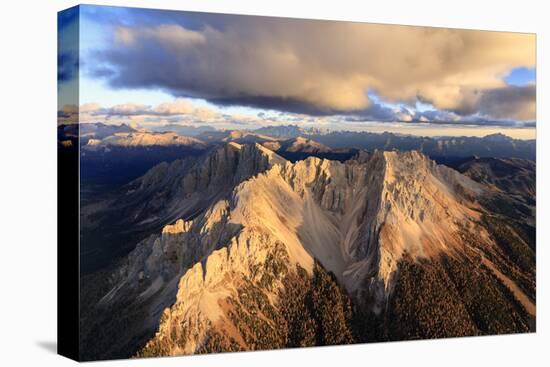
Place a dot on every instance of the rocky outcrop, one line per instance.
(179, 227)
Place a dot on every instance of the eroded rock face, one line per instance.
(357, 218)
(145, 281)
(181, 189)
(203, 291)
(360, 220)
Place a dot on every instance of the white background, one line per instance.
(28, 182)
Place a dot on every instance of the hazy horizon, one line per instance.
(394, 128)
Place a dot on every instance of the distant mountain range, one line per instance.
(279, 137)
(111, 155)
(495, 145)
(115, 154)
(143, 139)
(290, 131)
(183, 129)
(92, 130)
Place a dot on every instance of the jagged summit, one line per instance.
(183, 188)
(374, 211)
(219, 170)
(238, 222)
(357, 219)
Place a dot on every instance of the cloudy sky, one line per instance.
(152, 67)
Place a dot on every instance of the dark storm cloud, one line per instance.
(517, 102)
(382, 113)
(291, 105)
(377, 112)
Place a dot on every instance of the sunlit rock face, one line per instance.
(363, 220)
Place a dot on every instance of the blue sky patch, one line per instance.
(521, 76)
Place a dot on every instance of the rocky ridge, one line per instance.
(360, 220)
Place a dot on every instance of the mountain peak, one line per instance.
(301, 144)
(496, 137)
(358, 219)
(239, 221)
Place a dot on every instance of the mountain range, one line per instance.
(493, 146)
(116, 154)
(438, 148)
(240, 248)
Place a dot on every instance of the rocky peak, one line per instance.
(358, 219)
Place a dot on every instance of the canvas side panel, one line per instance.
(68, 183)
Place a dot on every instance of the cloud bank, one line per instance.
(186, 112)
(323, 67)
